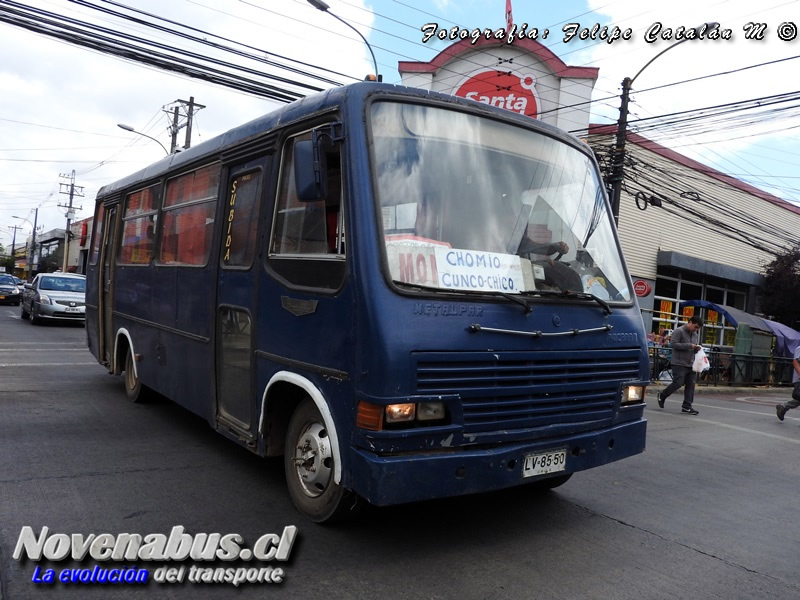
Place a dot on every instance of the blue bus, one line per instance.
(405, 294)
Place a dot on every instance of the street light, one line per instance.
(132, 130)
(320, 5)
(622, 125)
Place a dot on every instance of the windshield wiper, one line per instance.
(417, 286)
(574, 294)
(430, 288)
(517, 299)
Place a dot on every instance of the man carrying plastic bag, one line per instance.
(685, 344)
(700, 362)
(795, 401)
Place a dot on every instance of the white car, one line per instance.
(59, 296)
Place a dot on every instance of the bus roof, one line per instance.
(317, 103)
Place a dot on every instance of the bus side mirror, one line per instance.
(310, 170)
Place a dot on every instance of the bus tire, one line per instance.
(308, 463)
(134, 390)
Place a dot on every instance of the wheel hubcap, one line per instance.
(313, 460)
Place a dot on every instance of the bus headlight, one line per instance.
(430, 411)
(374, 416)
(633, 393)
(400, 413)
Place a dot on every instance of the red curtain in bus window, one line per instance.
(187, 230)
(193, 242)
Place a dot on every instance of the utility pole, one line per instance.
(14, 243)
(33, 245)
(174, 131)
(73, 191)
(182, 108)
(618, 163)
(191, 108)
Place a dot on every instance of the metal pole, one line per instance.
(189, 115)
(618, 167)
(619, 151)
(174, 128)
(65, 262)
(33, 244)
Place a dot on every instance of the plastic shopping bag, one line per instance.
(700, 362)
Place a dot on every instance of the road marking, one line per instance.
(41, 364)
(29, 350)
(727, 426)
(739, 410)
(40, 343)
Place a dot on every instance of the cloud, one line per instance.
(51, 86)
(695, 59)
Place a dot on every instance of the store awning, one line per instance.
(786, 339)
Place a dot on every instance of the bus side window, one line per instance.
(333, 206)
(311, 230)
(309, 227)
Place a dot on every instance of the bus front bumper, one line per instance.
(386, 480)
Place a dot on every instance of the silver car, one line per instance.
(55, 296)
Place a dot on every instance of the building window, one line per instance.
(667, 314)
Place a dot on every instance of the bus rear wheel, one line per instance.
(134, 389)
(309, 465)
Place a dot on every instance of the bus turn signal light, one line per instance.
(370, 416)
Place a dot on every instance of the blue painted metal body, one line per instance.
(507, 396)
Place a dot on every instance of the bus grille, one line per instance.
(516, 390)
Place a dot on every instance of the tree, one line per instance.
(778, 296)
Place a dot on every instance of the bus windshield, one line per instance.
(474, 204)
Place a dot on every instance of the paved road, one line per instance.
(708, 511)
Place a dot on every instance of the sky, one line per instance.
(60, 103)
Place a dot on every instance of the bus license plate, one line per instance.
(547, 462)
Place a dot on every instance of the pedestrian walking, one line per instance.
(685, 343)
(795, 400)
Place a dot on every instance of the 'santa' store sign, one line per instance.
(505, 89)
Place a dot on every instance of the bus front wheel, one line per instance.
(309, 465)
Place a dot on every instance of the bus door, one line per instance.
(236, 296)
(105, 291)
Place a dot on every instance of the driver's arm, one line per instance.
(528, 246)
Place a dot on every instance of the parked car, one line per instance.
(9, 291)
(55, 296)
